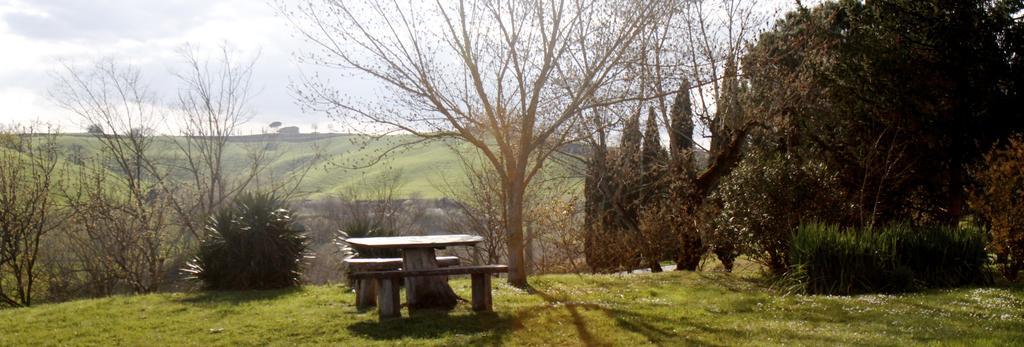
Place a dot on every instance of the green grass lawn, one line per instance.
(564, 310)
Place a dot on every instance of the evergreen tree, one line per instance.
(632, 141)
(681, 134)
(630, 171)
(626, 185)
(630, 174)
(729, 113)
(688, 244)
(598, 209)
(655, 233)
(654, 160)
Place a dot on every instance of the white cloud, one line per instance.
(40, 34)
(26, 106)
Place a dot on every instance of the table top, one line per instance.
(429, 241)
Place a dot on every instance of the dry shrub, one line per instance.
(999, 200)
(610, 249)
(556, 237)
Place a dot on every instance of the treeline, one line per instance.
(859, 115)
(130, 222)
(125, 218)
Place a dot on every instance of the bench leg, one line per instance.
(366, 293)
(481, 292)
(387, 298)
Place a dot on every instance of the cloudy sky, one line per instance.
(37, 35)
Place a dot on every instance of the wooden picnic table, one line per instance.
(418, 254)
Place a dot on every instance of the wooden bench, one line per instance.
(366, 289)
(387, 283)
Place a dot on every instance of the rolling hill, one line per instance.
(337, 162)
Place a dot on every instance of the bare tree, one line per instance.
(116, 99)
(121, 220)
(29, 178)
(715, 37)
(555, 237)
(551, 238)
(479, 207)
(509, 77)
(120, 242)
(213, 104)
(155, 198)
(372, 207)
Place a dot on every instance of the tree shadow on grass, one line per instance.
(218, 298)
(628, 320)
(485, 328)
(734, 283)
(643, 325)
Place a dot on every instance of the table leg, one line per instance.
(426, 292)
(389, 305)
(366, 293)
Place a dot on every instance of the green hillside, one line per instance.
(64, 172)
(338, 161)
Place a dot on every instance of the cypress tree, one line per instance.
(681, 133)
(689, 246)
(728, 114)
(653, 160)
(632, 139)
(630, 162)
(654, 232)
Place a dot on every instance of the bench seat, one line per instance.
(368, 264)
(366, 289)
(387, 283)
(447, 271)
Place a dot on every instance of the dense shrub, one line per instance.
(254, 244)
(895, 95)
(828, 260)
(765, 199)
(999, 199)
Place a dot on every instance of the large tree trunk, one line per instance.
(516, 255)
(430, 291)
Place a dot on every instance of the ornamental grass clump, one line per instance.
(938, 255)
(827, 259)
(253, 244)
